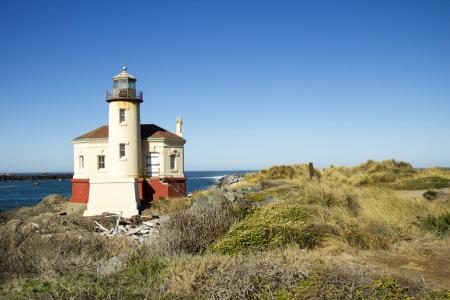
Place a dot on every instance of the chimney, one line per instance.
(179, 130)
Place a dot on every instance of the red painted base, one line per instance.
(149, 189)
(80, 190)
(154, 188)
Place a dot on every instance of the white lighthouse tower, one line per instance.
(124, 126)
(117, 192)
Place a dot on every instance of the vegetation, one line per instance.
(346, 234)
(272, 275)
(440, 224)
(390, 173)
(430, 195)
(268, 228)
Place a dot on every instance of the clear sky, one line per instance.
(258, 83)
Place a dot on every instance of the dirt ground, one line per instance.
(430, 259)
(445, 192)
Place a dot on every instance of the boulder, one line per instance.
(229, 179)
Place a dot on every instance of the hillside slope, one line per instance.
(276, 235)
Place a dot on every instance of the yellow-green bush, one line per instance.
(267, 228)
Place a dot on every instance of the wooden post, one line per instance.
(311, 170)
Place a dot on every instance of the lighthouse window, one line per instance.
(81, 162)
(123, 83)
(122, 115)
(173, 162)
(101, 161)
(122, 150)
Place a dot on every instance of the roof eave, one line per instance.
(84, 140)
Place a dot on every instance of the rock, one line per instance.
(34, 225)
(149, 223)
(146, 227)
(112, 265)
(133, 231)
(229, 179)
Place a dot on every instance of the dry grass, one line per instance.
(38, 241)
(391, 173)
(193, 230)
(314, 239)
(281, 173)
(330, 214)
(166, 206)
(287, 274)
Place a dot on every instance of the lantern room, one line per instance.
(124, 87)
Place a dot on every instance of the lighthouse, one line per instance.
(124, 126)
(118, 191)
(126, 164)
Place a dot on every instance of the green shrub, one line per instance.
(421, 183)
(270, 227)
(325, 284)
(440, 225)
(430, 195)
(137, 281)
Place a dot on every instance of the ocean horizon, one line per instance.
(15, 194)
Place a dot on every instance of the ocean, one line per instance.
(15, 194)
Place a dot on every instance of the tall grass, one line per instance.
(312, 213)
(287, 274)
(389, 173)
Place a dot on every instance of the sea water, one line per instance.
(15, 194)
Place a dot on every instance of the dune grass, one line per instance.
(390, 173)
(312, 214)
(286, 274)
(285, 248)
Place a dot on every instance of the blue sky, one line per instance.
(258, 83)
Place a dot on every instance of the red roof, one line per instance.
(147, 130)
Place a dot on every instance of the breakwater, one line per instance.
(32, 177)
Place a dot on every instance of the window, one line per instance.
(101, 161)
(81, 162)
(122, 150)
(121, 115)
(173, 162)
(123, 83)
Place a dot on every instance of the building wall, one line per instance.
(149, 189)
(127, 133)
(165, 147)
(80, 190)
(90, 151)
(172, 183)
